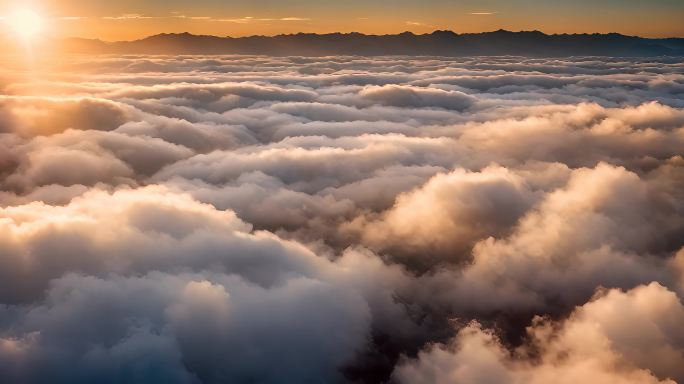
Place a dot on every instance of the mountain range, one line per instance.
(438, 43)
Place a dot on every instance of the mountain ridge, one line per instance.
(436, 43)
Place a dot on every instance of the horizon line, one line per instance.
(406, 32)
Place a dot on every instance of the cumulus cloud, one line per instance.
(28, 116)
(597, 344)
(206, 290)
(602, 229)
(468, 206)
(342, 219)
(406, 96)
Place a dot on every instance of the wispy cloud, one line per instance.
(419, 24)
(192, 17)
(175, 15)
(133, 16)
(249, 19)
(482, 13)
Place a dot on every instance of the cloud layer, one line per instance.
(255, 219)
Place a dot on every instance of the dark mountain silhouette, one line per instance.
(439, 43)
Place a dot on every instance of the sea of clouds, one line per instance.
(342, 219)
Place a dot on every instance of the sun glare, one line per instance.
(25, 23)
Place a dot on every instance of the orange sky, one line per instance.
(131, 19)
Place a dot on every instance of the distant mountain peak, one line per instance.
(437, 43)
(444, 33)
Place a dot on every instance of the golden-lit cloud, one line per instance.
(210, 218)
(249, 19)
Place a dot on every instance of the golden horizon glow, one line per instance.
(135, 19)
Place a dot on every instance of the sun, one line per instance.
(25, 23)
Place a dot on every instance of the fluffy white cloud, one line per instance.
(112, 276)
(260, 219)
(445, 217)
(403, 96)
(598, 343)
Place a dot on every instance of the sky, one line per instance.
(132, 19)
